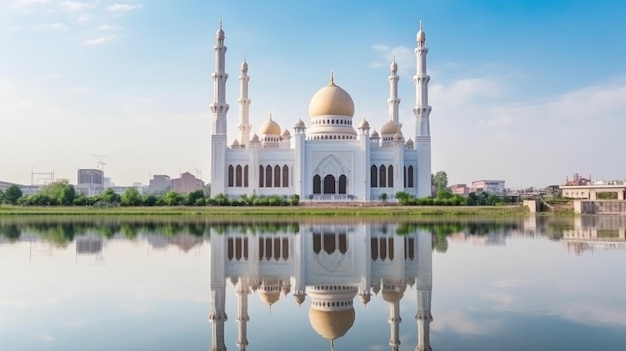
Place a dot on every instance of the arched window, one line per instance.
(383, 176)
(410, 177)
(390, 177)
(238, 176)
(277, 176)
(317, 184)
(268, 176)
(329, 184)
(404, 176)
(245, 176)
(231, 176)
(342, 184)
(374, 177)
(261, 176)
(285, 176)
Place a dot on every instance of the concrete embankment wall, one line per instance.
(600, 207)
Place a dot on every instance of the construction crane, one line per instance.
(100, 159)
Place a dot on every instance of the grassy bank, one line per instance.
(294, 212)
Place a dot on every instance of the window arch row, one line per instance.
(238, 176)
(381, 176)
(273, 176)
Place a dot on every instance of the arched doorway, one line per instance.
(343, 180)
(329, 184)
(317, 184)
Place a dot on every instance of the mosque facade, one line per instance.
(333, 157)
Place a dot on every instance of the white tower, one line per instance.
(244, 125)
(422, 113)
(393, 100)
(424, 290)
(219, 108)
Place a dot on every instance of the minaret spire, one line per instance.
(393, 100)
(219, 108)
(422, 115)
(244, 125)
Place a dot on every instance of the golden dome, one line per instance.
(235, 143)
(270, 127)
(375, 135)
(286, 134)
(269, 297)
(398, 136)
(331, 100)
(364, 124)
(255, 139)
(390, 128)
(392, 295)
(331, 324)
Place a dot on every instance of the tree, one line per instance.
(131, 197)
(60, 193)
(440, 180)
(12, 194)
(1, 197)
(196, 198)
(172, 198)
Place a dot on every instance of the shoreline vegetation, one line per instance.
(308, 210)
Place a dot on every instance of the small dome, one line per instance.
(394, 65)
(364, 124)
(421, 36)
(375, 135)
(398, 136)
(390, 128)
(270, 127)
(300, 298)
(300, 124)
(331, 100)
(235, 143)
(410, 143)
(331, 324)
(365, 298)
(286, 134)
(392, 296)
(244, 65)
(269, 297)
(220, 33)
(255, 139)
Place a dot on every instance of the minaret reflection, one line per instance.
(328, 266)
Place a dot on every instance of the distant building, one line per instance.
(577, 180)
(90, 181)
(488, 186)
(26, 189)
(459, 189)
(160, 183)
(187, 183)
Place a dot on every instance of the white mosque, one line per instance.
(328, 160)
(327, 267)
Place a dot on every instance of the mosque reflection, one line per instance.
(330, 267)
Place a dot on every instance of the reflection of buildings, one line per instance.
(90, 244)
(329, 264)
(592, 233)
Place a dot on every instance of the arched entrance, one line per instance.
(330, 179)
(329, 184)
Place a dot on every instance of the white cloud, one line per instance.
(99, 40)
(83, 17)
(74, 6)
(459, 322)
(404, 56)
(24, 4)
(122, 7)
(58, 26)
(108, 27)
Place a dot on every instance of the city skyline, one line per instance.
(523, 91)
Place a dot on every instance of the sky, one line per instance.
(524, 91)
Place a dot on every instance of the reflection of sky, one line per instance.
(529, 294)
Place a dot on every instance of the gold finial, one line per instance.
(220, 23)
(421, 27)
(332, 78)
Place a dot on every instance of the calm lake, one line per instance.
(188, 284)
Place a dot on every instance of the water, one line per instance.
(169, 284)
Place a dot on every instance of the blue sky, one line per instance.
(525, 91)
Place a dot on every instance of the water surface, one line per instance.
(114, 284)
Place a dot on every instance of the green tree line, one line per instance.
(62, 193)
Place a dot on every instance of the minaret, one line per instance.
(242, 313)
(217, 283)
(422, 114)
(244, 125)
(424, 285)
(219, 108)
(393, 100)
